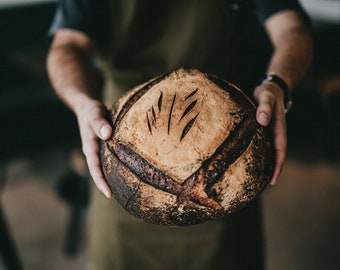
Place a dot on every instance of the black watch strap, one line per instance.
(272, 77)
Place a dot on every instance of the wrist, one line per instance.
(277, 80)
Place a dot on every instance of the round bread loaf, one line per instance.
(186, 148)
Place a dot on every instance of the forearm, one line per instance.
(71, 73)
(290, 60)
(292, 47)
(73, 78)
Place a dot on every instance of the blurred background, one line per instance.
(43, 227)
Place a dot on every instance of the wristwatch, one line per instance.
(272, 77)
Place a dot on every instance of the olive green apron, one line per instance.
(120, 241)
(189, 33)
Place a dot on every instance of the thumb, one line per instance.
(99, 122)
(105, 131)
(265, 107)
(102, 128)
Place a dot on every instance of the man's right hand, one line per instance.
(93, 126)
(72, 75)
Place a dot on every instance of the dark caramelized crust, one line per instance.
(186, 110)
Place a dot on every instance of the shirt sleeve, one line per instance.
(73, 14)
(266, 8)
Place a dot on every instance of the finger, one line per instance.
(91, 152)
(98, 177)
(97, 174)
(94, 116)
(102, 128)
(266, 101)
(280, 157)
(280, 145)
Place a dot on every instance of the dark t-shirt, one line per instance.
(89, 16)
(222, 37)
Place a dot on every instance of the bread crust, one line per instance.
(186, 148)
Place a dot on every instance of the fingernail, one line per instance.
(104, 191)
(105, 130)
(263, 118)
(107, 194)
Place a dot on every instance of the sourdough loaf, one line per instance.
(186, 148)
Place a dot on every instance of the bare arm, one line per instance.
(72, 76)
(290, 59)
(292, 46)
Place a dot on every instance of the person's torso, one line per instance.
(158, 36)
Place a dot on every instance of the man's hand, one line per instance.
(292, 53)
(93, 126)
(72, 75)
(270, 111)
